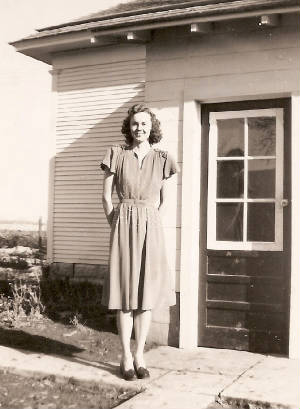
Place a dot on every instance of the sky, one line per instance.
(25, 104)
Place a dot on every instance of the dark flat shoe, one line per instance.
(127, 375)
(141, 372)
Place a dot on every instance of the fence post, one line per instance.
(40, 232)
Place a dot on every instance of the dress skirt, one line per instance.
(139, 275)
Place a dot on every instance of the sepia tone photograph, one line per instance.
(150, 196)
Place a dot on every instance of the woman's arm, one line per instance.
(163, 197)
(108, 185)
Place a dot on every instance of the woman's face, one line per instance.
(140, 126)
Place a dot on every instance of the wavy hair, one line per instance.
(155, 133)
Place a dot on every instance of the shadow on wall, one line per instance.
(92, 103)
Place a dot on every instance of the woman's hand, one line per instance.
(162, 209)
(162, 204)
(110, 217)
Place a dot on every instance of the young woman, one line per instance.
(139, 276)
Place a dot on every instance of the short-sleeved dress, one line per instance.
(139, 276)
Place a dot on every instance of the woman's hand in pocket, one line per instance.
(110, 217)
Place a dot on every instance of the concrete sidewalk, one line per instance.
(181, 379)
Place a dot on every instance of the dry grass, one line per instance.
(24, 305)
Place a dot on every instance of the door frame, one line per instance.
(194, 185)
(294, 341)
(284, 103)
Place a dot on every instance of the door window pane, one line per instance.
(261, 179)
(230, 137)
(229, 221)
(230, 179)
(262, 136)
(261, 222)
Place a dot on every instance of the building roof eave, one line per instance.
(44, 49)
(43, 44)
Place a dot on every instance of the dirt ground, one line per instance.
(18, 392)
(69, 341)
(50, 337)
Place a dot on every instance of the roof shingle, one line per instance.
(135, 7)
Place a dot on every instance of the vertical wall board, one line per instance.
(295, 262)
(51, 177)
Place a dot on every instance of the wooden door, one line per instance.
(245, 226)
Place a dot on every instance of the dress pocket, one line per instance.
(115, 215)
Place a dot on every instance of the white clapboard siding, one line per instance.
(92, 102)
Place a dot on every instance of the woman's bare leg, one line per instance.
(125, 324)
(142, 321)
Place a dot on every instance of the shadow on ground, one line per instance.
(35, 343)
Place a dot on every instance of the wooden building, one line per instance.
(223, 78)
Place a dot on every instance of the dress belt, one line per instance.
(138, 202)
